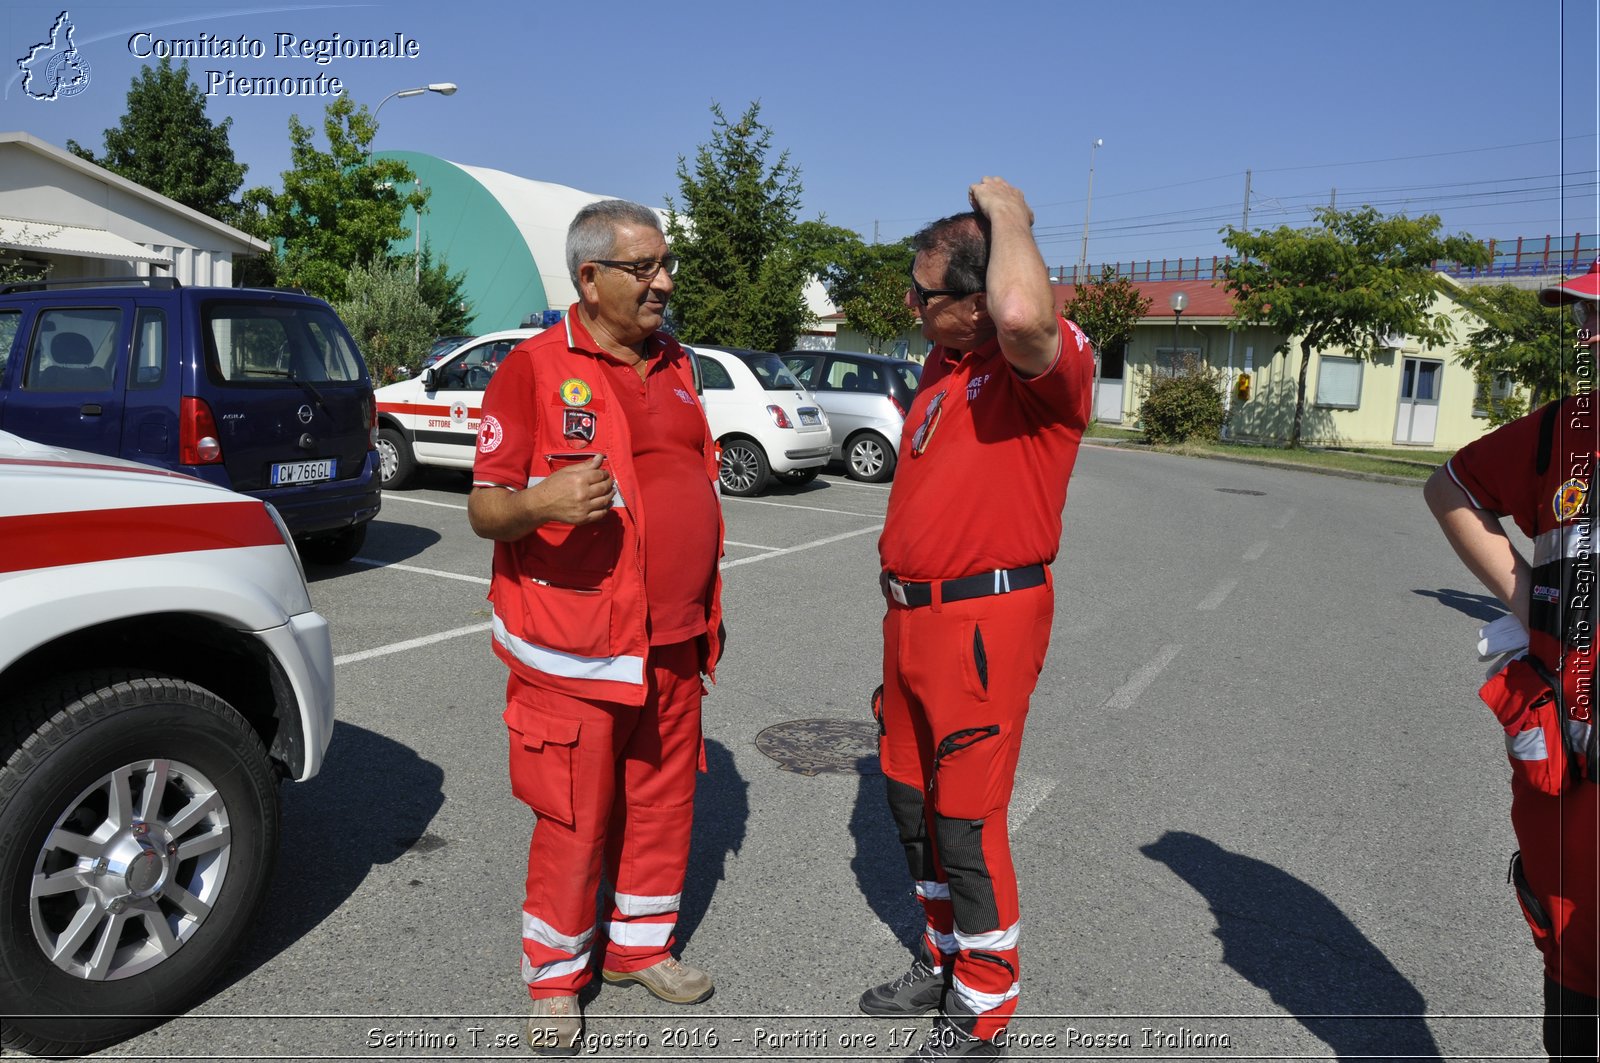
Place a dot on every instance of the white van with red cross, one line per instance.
(432, 418)
(161, 668)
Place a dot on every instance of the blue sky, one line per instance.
(1482, 112)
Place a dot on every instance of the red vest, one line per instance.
(569, 601)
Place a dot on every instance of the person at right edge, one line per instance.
(973, 524)
(1538, 471)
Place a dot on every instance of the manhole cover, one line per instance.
(1239, 491)
(810, 747)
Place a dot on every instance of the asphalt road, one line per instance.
(1260, 812)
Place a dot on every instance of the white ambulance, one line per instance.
(161, 668)
(432, 418)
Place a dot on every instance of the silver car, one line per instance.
(866, 397)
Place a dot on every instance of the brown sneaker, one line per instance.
(555, 1027)
(669, 980)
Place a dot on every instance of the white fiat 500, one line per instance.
(766, 422)
(161, 667)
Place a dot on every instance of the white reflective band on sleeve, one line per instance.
(633, 905)
(933, 891)
(1577, 734)
(639, 934)
(616, 493)
(545, 971)
(993, 939)
(977, 1002)
(1527, 745)
(570, 665)
(1568, 541)
(536, 929)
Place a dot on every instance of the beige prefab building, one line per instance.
(1411, 395)
(86, 222)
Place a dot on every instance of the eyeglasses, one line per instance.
(643, 269)
(924, 294)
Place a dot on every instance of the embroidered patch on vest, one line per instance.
(1569, 499)
(575, 392)
(578, 425)
(489, 435)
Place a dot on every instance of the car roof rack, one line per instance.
(161, 283)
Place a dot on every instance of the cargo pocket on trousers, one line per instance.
(542, 756)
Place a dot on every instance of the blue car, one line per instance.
(259, 390)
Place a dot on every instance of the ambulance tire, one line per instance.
(80, 755)
(396, 464)
(744, 469)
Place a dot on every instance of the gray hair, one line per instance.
(593, 232)
(964, 238)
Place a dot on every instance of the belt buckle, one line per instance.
(897, 591)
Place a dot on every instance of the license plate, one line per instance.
(303, 472)
(809, 417)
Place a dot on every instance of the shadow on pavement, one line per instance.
(721, 811)
(371, 804)
(879, 863)
(1483, 607)
(1287, 938)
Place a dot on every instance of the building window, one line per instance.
(1339, 382)
(1491, 389)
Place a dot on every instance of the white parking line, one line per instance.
(387, 497)
(411, 644)
(803, 546)
(788, 505)
(1028, 794)
(1255, 552)
(752, 546)
(372, 562)
(1124, 696)
(1283, 521)
(1218, 595)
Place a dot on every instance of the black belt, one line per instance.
(982, 585)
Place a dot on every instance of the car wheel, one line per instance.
(796, 477)
(869, 458)
(335, 548)
(396, 464)
(744, 469)
(140, 828)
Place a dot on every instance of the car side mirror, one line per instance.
(427, 379)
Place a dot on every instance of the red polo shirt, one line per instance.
(985, 456)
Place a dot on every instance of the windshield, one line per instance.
(771, 371)
(266, 342)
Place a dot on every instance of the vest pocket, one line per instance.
(586, 553)
(1522, 700)
(575, 620)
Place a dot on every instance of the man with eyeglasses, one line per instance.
(1538, 470)
(596, 478)
(973, 523)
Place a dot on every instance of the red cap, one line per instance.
(1584, 287)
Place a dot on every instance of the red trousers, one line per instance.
(608, 782)
(1560, 840)
(957, 677)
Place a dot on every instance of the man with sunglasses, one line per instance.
(1538, 470)
(596, 478)
(974, 521)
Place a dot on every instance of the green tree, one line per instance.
(339, 208)
(14, 269)
(1518, 336)
(445, 292)
(1351, 280)
(867, 282)
(742, 279)
(1107, 309)
(384, 310)
(166, 143)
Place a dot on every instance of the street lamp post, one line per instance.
(1083, 256)
(443, 88)
(1179, 302)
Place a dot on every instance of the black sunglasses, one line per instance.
(644, 269)
(924, 294)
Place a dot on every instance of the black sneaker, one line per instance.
(917, 992)
(950, 1039)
